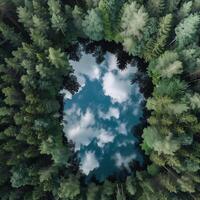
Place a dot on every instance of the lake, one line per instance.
(101, 115)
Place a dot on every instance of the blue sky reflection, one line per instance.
(100, 116)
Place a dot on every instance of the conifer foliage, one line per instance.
(34, 35)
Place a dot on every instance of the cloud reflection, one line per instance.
(100, 116)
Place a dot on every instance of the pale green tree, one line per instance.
(93, 25)
(69, 188)
(187, 29)
(133, 22)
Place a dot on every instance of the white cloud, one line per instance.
(125, 143)
(136, 111)
(86, 67)
(123, 160)
(116, 83)
(112, 112)
(104, 138)
(112, 61)
(87, 119)
(117, 88)
(95, 73)
(122, 128)
(127, 73)
(81, 80)
(67, 94)
(137, 89)
(80, 127)
(137, 105)
(89, 162)
(74, 111)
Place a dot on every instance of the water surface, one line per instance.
(100, 116)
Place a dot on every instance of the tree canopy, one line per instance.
(35, 37)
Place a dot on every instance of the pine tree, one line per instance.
(25, 16)
(58, 58)
(58, 20)
(156, 7)
(168, 182)
(9, 34)
(195, 101)
(56, 149)
(133, 21)
(185, 9)
(131, 185)
(165, 145)
(92, 4)
(172, 5)
(107, 190)
(155, 48)
(69, 188)
(20, 176)
(93, 25)
(170, 87)
(153, 169)
(186, 30)
(78, 16)
(111, 13)
(166, 66)
(93, 191)
(186, 184)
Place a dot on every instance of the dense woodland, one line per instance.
(35, 38)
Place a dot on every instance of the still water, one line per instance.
(100, 116)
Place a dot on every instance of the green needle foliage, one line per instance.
(93, 25)
(187, 30)
(58, 21)
(157, 47)
(34, 35)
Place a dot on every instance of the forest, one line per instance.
(37, 39)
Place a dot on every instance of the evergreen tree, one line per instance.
(9, 34)
(69, 188)
(131, 185)
(111, 13)
(58, 20)
(187, 29)
(93, 25)
(156, 7)
(155, 48)
(35, 38)
(133, 22)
